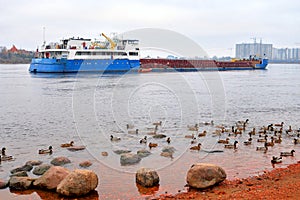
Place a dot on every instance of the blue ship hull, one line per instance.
(49, 65)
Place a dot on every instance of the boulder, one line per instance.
(120, 151)
(76, 148)
(147, 177)
(20, 183)
(51, 178)
(167, 154)
(41, 169)
(169, 149)
(78, 183)
(59, 161)
(202, 175)
(3, 184)
(34, 162)
(85, 164)
(25, 168)
(159, 136)
(21, 173)
(143, 153)
(129, 159)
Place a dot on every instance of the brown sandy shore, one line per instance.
(280, 183)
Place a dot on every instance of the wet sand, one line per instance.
(280, 183)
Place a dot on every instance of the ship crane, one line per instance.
(112, 43)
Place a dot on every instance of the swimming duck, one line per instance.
(168, 140)
(276, 160)
(270, 144)
(67, 144)
(193, 128)
(262, 140)
(264, 148)
(196, 148)
(231, 146)
(144, 140)
(5, 157)
(129, 126)
(151, 145)
(281, 124)
(114, 139)
(226, 141)
(296, 141)
(136, 131)
(248, 142)
(190, 136)
(278, 140)
(157, 123)
(203, 134)
(287, 153)
(46, 151)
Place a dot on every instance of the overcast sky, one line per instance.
(216, 25)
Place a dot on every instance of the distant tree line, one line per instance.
(19, 57)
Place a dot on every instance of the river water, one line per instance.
(38, 110)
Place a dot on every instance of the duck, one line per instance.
(157, 123)
(270, 144)
(136, 131)
(193, 128)
(144, 140)
(276, 160)
(67, 144)
(281, 124)
(296, 141)
(129, 126)
(278, 140)
(231, 146)
(287, 153)
(196, 148)
(264, 148)
(194, 140)
(114, 139)
(152, 145)
(203, 134)
(226, 141)
(248, 142)
(190, 136)
(262, 140)
(168, 140)
(46, 151)
(5, 157)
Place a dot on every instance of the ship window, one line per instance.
(133, 53)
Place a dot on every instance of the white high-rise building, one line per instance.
(245, 50)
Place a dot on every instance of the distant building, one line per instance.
(286, 54)
(13, 49)
(244, 50)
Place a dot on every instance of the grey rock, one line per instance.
(41, 169)
(159, 136)
(76, 148)
(202, 175)
(25, 168)
(20, 173)
(79, 182)
(147, 177)
(20, 183)
(59, 161)
(129, 159)
(120, 151)
(169, 149)
(143, 153)
(34, 162)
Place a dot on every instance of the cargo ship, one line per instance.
(121, 55)
(188, 65)
(79, 54)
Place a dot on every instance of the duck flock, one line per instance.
(230, 136)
